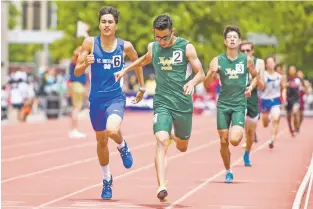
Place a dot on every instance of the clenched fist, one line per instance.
(89, 59)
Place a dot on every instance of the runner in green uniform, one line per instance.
(253, 114)
(233, 69)
(172, 104)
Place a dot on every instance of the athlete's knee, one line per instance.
(182, 147)
(236, 135)
(235, 141)
(181, 144)
(223, 137)
(113, 131)
(113, 124)
(102, 140)
(224, 141)
(162, 138)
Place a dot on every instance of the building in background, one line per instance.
(36, 15)
(35, 24)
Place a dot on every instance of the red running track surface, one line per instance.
(42, 168)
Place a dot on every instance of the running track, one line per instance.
(42, 168)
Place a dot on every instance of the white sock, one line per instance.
(228, 171)
(106, 174)
(121, 145)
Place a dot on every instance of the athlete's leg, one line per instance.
(275, 112)
(300, 118)
(103, 157)
(237, 129)
(182, 127)
(162, 138)
(162, 125)
(296, 116)
(236, 134)
(115, 114)
(98, 121)
(223, 123)
(250, 131)
(103, 152)
(224, 150)
(113, 127)
(265, 119)
(250, 128)
(77, 93)
(265, 104)
(289, 117)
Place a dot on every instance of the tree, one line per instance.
(202, 23)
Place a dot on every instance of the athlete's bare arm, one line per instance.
(133, 56)
(213, 68)
(85, 57)
(261, 69)
(258, 80)
(142, 61)
(195, 63)
(306, 85)
(251, 67)
(283, 86)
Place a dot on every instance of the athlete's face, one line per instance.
(247, 49)
(270, 63)
(300, 74)
(279, 70)
(232, 40)
(107, 25)
(164, 37)
(292, 71)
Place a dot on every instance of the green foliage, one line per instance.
(13, 12)
(23, 52)
(202, 23)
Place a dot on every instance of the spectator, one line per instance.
(150, 84)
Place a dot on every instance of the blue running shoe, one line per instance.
(246, 159)
(229, 178)
(107, 190)
(126, 156)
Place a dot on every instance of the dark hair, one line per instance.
(109, 10)
(277, 66)
(246, 42)
(266, 58)
(230, 29)
(163, 22)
